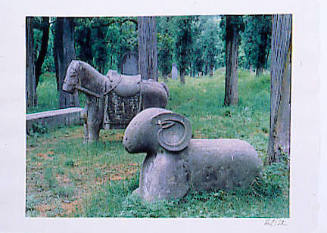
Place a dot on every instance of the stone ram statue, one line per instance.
(176, 164)
(83, 77)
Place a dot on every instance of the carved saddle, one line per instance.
(124, 102)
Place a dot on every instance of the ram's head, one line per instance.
(156, 128)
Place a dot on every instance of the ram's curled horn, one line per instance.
(174, 132)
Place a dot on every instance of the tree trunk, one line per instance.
(211, 71)
(206, 68)
(182, 76)
(31, 97)
(280, 97)
(259, 71)
(64, 53)
(147, 47)
(232, 43)
(44, 48)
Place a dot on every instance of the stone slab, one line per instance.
(54, 118)
(174, 72)
(129, 64)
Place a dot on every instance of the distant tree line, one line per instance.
(195, 43)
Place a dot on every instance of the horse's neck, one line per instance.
(92, 80)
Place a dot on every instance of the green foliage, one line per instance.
(102, 41)
(210, 43)
(70, 163)
(274, 180)
(256, 41)
(38, 129)
(48, 64)
(165, 44)
(184, 41)
(83, 40)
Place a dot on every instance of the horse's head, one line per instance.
(72, 77)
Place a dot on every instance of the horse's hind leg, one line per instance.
(86, 132)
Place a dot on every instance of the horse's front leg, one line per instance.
(95, 118)
(84, 119)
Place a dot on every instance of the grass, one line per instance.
(68, 178)
(47, 94)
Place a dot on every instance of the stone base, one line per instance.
(55, 118)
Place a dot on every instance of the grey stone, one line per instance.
(174, 71)
(110, 95)
(129, 64)
(55, 118)
(176, 164)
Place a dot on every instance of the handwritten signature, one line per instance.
(275, 222)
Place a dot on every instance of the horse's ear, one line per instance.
(175, 131)
(74, 66)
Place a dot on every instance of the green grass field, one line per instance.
(68, 178)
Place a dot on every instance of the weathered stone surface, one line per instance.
(175, 163)
(163, 176)
(55, 118)
(220, 163)
(174, 71)
(119, 111)
(129, 64)
(154, 94)
(128, 86)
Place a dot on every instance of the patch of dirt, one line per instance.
(76, 135)
(118, 136)
(44, 208)
(70, 208)
(118, 172)
(43, 155)
(47, 141)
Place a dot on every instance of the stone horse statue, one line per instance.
(83, 77)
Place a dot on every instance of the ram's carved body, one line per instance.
(176, 164)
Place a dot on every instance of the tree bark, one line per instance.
(232, 44)
(31, 97)
(44, 48)
(147, 47)
(280, 97)
(64, 53)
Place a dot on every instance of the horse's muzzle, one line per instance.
(67, 88)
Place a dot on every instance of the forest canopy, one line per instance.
(195, 43)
